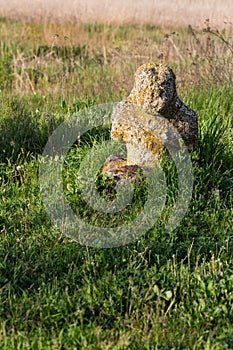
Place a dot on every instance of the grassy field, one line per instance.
(165, 13)
(163, 291)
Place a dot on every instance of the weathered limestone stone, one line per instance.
(141, 121)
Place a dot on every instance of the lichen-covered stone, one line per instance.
(118, 168)
(136, 128)
(154, 89)
(139, 120)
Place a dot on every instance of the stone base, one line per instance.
(119, 169)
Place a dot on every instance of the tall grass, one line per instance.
(88, 59)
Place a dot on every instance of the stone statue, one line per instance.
(142, 120)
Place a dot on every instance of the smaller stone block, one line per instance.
(117, 167)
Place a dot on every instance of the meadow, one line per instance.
(163, 291)
(164, 13)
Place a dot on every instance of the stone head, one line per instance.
(154, 88)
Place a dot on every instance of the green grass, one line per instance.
(163, 291)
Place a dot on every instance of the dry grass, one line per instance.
(90, 59)
(166, 12)
(48, 51)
